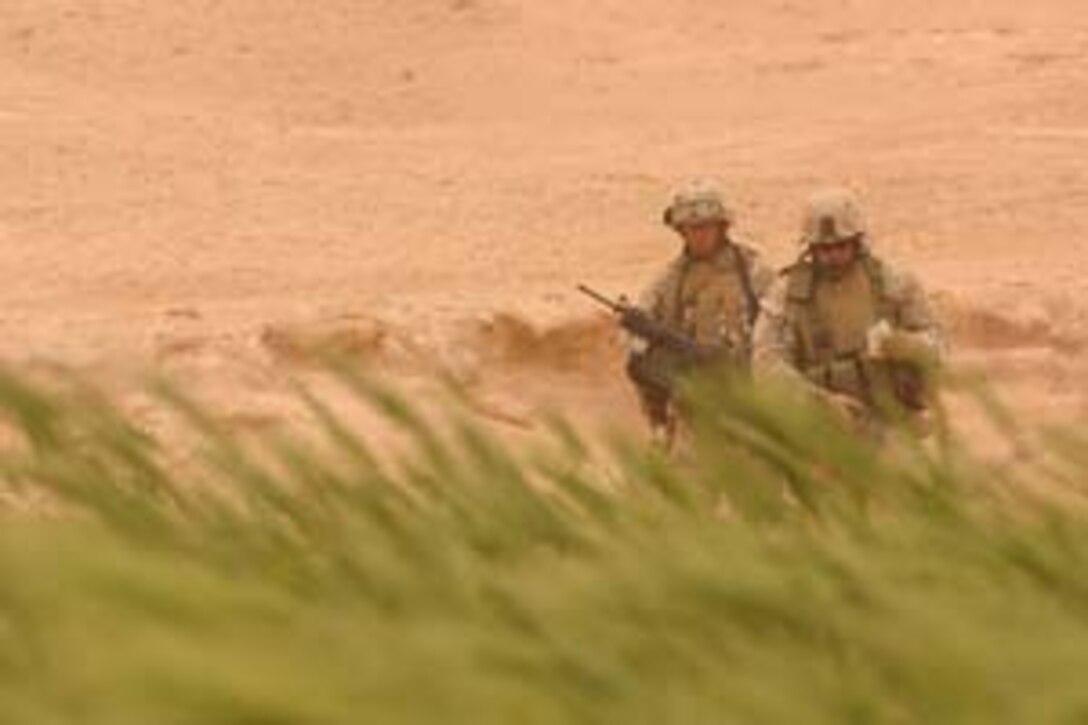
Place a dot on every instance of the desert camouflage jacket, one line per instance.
(816, 329)
(715, 301)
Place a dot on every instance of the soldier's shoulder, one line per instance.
(749, 251)
(674, 267)
(667, 274)
(747, 246)
(799, 277)
(801, 266)
(670, 267)
(779, 290)
(898, 281)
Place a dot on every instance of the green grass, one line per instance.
(780, 572)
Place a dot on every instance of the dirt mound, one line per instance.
(364, 340)
(1027, 322)
(575, 346)
(487, 341)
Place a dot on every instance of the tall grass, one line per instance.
(783, 571)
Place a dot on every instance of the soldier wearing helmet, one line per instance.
(854, 327)
(709, 293)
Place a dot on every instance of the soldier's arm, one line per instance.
(916, 336)
(650, 379)
(652, 299)
(763, 277)
(774, 340)
(652, 302)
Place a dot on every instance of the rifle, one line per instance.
(641, 325)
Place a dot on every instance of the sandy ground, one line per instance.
(216, 188)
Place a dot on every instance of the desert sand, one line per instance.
(218, 189)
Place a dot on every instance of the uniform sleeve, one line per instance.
(652, 302)
(763, 277)
(919, 335)
(774, 339)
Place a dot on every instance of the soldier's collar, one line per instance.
(857, 267)
(723, 257)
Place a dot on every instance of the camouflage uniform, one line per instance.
(867, 334)
(712, 301)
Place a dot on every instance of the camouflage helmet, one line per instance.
(697, 203)
(832, 215)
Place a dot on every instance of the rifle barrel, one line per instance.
(599, 297)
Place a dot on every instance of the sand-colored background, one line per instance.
(212, 187)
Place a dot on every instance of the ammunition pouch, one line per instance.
(847, 375)
(876, 383)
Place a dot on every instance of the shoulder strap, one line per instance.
(799, 309)
(801, 284)
(742, 261)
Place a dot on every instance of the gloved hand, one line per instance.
(635, 320)
(883, 342)
(878, 339)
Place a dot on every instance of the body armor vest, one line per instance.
(830, 321)
(712, 301)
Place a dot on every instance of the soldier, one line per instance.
(709, 293)
(854, 327)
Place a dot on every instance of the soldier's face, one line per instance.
(702, 240)
(836, 257)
